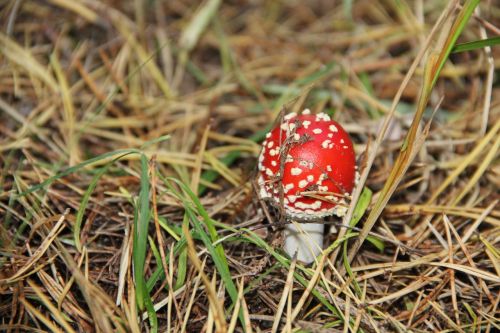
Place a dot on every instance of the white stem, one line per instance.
(304, 238)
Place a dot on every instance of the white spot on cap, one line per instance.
(345, 147)
(284, 126)
(322, 116)
(292, 198)
(329, 168)
(288, 187)
(290, 116)
(289, 158)
(330, 135)
(296, 171)
(341, 140)
(314, 206)
(270, 144)
(296, 136)
(303, 163)
(310, 178)
(317, 131)
(269, 172)
(306, 111)
(274, 152)
(268, 135)
(306, 123)
(323, 188)
(303, 183)
(274, 163)
(291, 126)
(333, 128)
(325, 143)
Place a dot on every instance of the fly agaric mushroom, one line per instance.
(307, 167)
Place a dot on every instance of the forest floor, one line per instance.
(129, 139)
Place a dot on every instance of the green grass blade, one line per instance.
(182, 263)
(83, 204)
(475, 45)
(361, 206)
(70, 170)
(455, 31)
(141, 222)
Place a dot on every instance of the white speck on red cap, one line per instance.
(306, 124)
(295, 171)
(317, 131)
(303, 183)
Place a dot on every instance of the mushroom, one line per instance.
(307, 167)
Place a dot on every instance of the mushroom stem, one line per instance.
(304, 238)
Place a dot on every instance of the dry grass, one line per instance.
(129, 132)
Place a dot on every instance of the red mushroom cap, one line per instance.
(307, 163)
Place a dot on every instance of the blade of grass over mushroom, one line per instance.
(433, 69)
